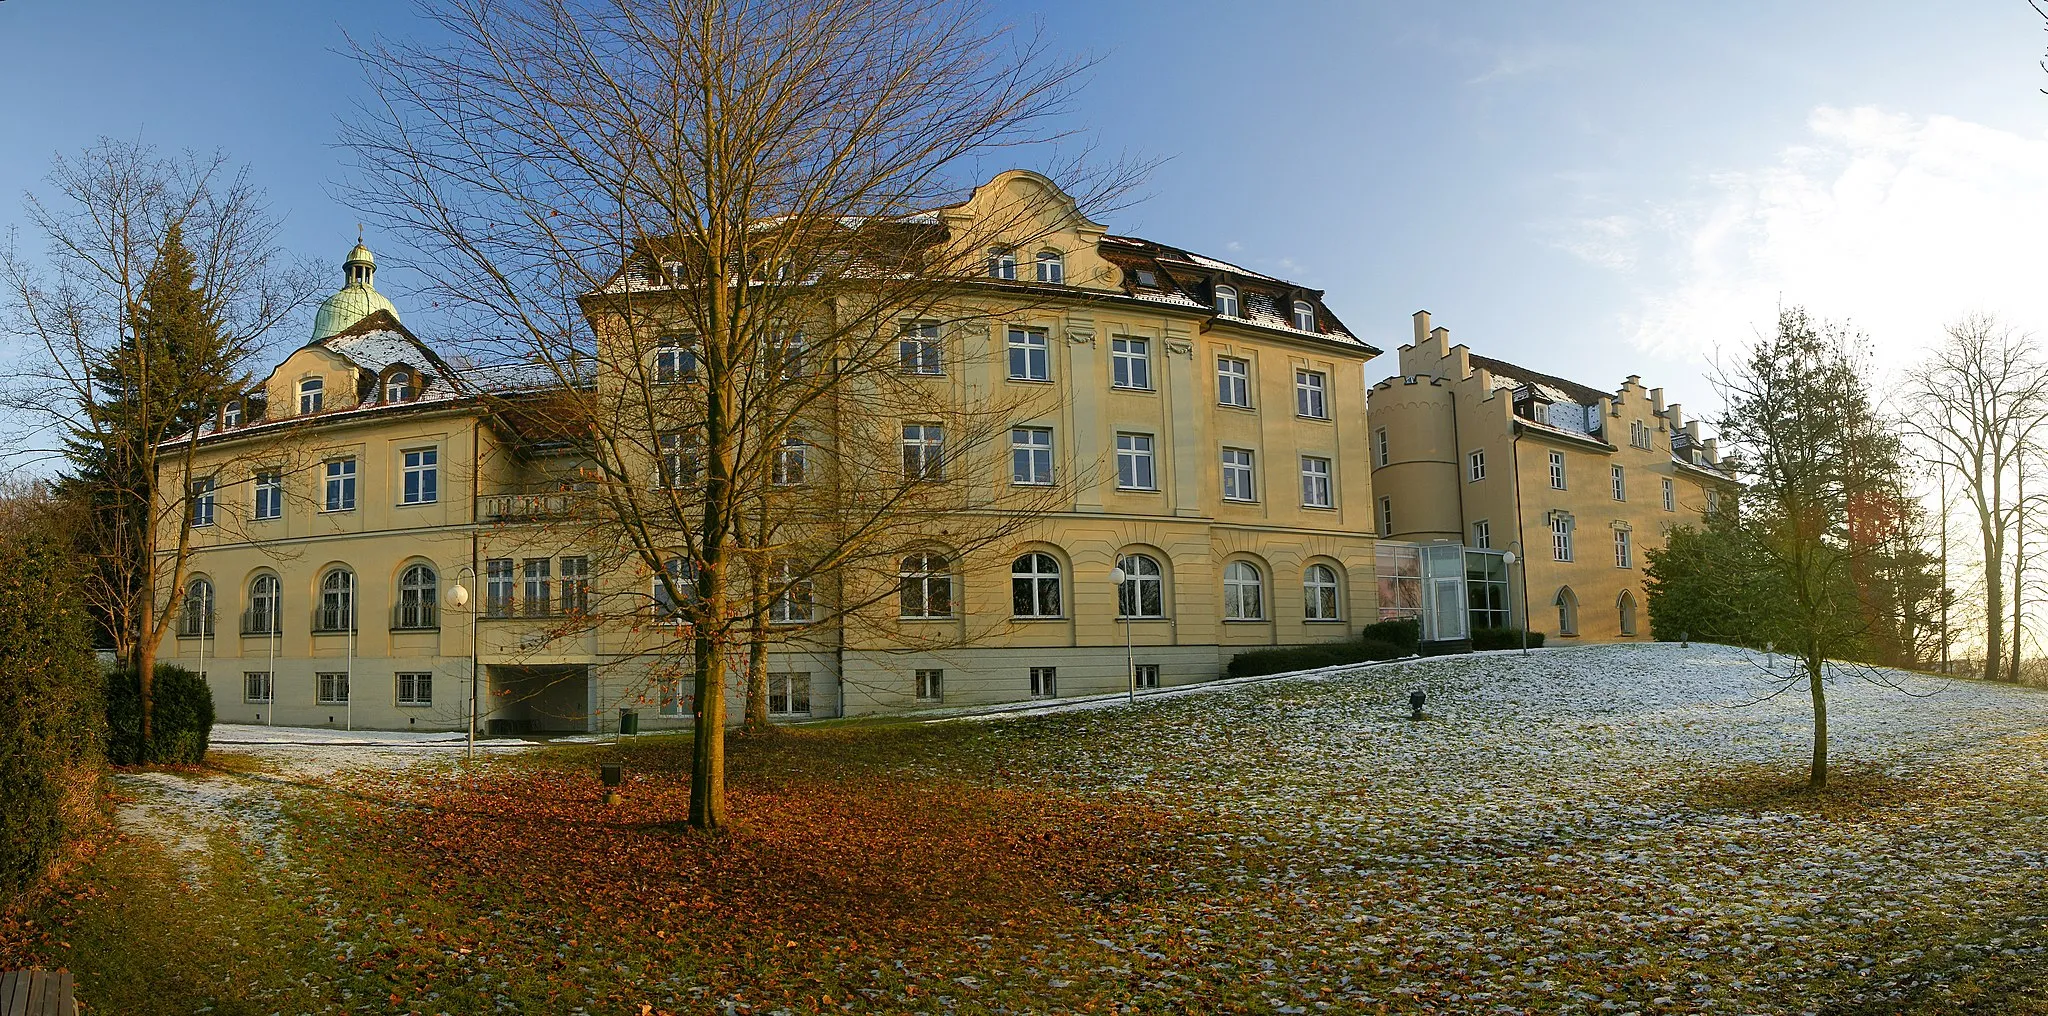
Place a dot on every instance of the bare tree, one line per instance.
(721, 233)
(1977, 408)
(108, 379)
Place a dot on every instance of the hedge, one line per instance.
(1325, 654)
(1504, 638)
(183, 718)
(50, 715)
(1404, 631)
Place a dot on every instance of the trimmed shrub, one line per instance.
(50, 729)
(1326, 654)
(1404, 631)
(1504, 638)
(183, 718)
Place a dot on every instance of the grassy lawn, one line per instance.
(1598, 830)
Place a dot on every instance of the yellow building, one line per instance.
(1577, 482)
(1205, 422)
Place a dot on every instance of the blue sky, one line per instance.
(1594, 190)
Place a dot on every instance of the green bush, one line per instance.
(1504, 638)
(1405, 631)
(1326, 654)
(50, 730)
(183, 718)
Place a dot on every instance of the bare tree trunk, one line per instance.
(1994, 602)
(757, 658)
(1817, 778)
(2019, 567)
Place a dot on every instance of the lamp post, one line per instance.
(458, 597)
(1116, 578)
(1508, 559)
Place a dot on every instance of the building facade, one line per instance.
(1203, 426)
(1576, 482)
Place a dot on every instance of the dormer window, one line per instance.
(398, 387)
(1052, 266)
(1304, 316)
(1002, 264)
(1226, 301)
(1145, 278)
(231, 414)
(312, 392)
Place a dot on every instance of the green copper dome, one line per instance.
(357, 299)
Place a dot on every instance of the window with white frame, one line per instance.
(498, 587)
(1319, 593)
(1557, 470)
(1234, 382)
(1035, 586)
(1381, 454)
(202, 501)
(312, 394)
(258, 686)
(1316, 490)
(231, 414)
(791, 462)
(1304, 316)
(919, 348)
(1310, 394)
(1130, 362)
(1045, 682)
(1030, 355)
(1146, 675)
(1237, 475)
(925, 586)
(930, 685)
(1031, 456)
(681, 574)
(1625, 606)
(1143, 592)
(789, 694)
(1482, 534)
(398, 387)
(1713, 500)
(1620, 483)
(1244, 592)
(538, 576)
(1386, 516)
(1623, 557)
(791, 599)
(671, 696)
(422, 476)
(1002, 264)
(1226, 301)
(1052, 266)
(1560, 537)
(575, 589)
(1567, 611)
(269, 495)
(418, 598)
(341, 485)
(195, 614)
(333, 688)
(1134, 466)
(675, 359)
(416, 689)
(784, 351)
(266, 607)
(1639, 434)
(1476, 466)
(1670, 495)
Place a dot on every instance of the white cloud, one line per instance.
(1896, 224)
(1526, 58)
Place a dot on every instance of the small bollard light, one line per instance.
(611, 774)
(1415, 700)
(1685, 640)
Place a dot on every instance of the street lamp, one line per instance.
(1116, 578)
(1507, 558)
(458, 597)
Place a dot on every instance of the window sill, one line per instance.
(416, 504)
(268, 518)
(335, 631)
(1029, 380)
(195, 635)
(1035, 617)
(1322, 620)
(415, 705)
(402, 629)
(1133, 390)
(1146, 619)
(336, 511)
(928, 618)
(1313, 419)
(1241, 500)
(1320, 507)
(1238, 408)
(1245, 620)
(1033, 483)
(1137, 490)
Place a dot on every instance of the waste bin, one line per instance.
(629, 721)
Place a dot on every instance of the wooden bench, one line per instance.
(37, 993)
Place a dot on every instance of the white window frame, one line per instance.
(231, 414)
(575, 585)
(789, 694)
(792, 463)
(312, 395)
(1386, 516)
(675, 360)
(398, 387)
(499, 586)
(1311, 394)
(266, 606)
(341, 485)
(1317, 487)
(1045, 682)
(259, 687)
(1557, 477)
(1244, 592)
(1482, 534)
(415, 688)
(1130, 363)
(924, 451)
(929, 684)
(1234, 382)
(1240, 482)
(1052, 267)
(1560, 538)
(791, 602)
(1002, 264)
(1304, 316)
(1624, 552)
(1226, 301)
(332, 688)
(930, 572)
(419, 589)
(422, 475)
(1321, 595)
(1136, 467)
(1620, 479)
(1145, 675)
(271, 483)
(1030, 568)
(202, 502)
(1670, 495)
(1381, 453)
(1142, 574)
(1030, 352)
(1031, 456)
(1476, 466)
(920, 350)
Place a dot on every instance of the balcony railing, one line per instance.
(261, 622)
(521, 607)
(515, 507)
(424, 616)
(192, 625)
(333, 620)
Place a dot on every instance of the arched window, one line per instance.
(1244, 594)
(266, 612)
(418, 588)
(196, 617)
(1567, 604)
(398, 387)
(1226, 301)
(1304, 316)
(1002, 264)
(1626, 606)
(1143, 593)
(1319, 593)
(337, 602)
(1052, 267)
(1035, 586)
(926, 585)
(312, 391)
(792, 594)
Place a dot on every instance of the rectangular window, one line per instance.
(679, 458)
(931, 686)
(1134, 462)
(791, 462)
(671, 697)
(1670, 496)
(785, 353)
(539, 598)
(789, 694)
(675, 360)
(1620, 484)
(1560, 538)
(1031, 456)
(312, 394)
(1131, 363)
(1310, 391)
(498, 587)
(1622, 556)
(1234, 382)
(1556, 470)
(333, 688)
(1478, 466)
(1386, 516)
(341, 485)
(1045, 682)
(422, 476)
(1002, 264)
(1030, 357)
(791, 602)
(920, 350)
(1379, 446)
(1147, 675)
(257, 686)
(1639, 434)
(416, 689)
(1713, 501)
(1315, 483)
(1482, 534)
(575, 586)
(924, 446)
(269, 495)
(1237, 475)
(202, 502)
